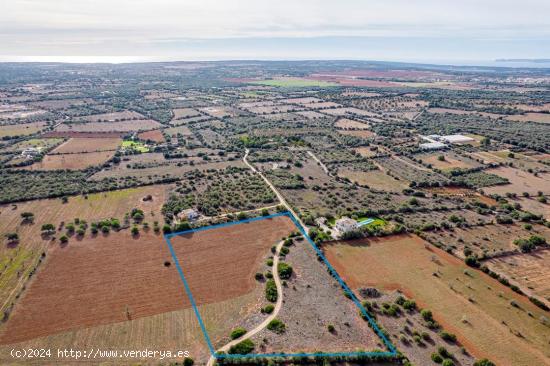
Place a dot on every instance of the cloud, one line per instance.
(46, 26)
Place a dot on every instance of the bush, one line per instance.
(259, 276)
(449, 337)
(409, 305)
(271, 291)
(64, 239)
(276, 326)
(437, 358)
(331, 328)
(448, 362)
(242, 348)
(484, 362)
(427, 315)
(268, 309)
(443, 352)
(285, 270)
(237, 333)
(188, 361)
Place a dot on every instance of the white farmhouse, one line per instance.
(188, 215)
(345, 225)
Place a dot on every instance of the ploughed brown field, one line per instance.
(466, 302)
(79, 145)
(154, 135)
(71, 161)
(118, 277)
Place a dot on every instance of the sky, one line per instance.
(440, 31)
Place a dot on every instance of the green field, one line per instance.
(139, 146)
(293, 83)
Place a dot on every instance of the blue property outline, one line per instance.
(392, 350)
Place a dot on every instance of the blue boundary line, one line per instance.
(392, 350)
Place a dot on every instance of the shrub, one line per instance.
(48, 228)
(443, 352)
(135, 230)
(484, 362)
(242, 348)
(188, 361)
(276, 326)
(64, 239)
(437, 358)
(285, 270)
(259, 276)
(409, 305)
(237, 333)
(448, 362)
(269, 262)
(427, 315)
(271, 291)
(449, 337)
(12, 236)
(331, 328)
(268, 309)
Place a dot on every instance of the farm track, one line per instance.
(267, 320)
(277, 193)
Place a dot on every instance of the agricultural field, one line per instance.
(448, 161)
(520, 182)
(123, 126)
(485, 240)
(531, 117)
(375, 179)
(72, 161)
(465, 302)
(291, 82)
(21, 256)
(22, 129)
(87, 145)
(99, 161)
(155, 136)
(528, 271)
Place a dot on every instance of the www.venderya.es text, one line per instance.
(96, 353)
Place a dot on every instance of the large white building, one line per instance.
(345, 225)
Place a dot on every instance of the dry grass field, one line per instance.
(113, 117)
(531, 117)
(124, 126)
(489, 239)
(349, 123)
(518, 160)
(94, 281)
(312, 300)
(465, 302)
(19, 260)
(531, 204)
(367, 152)
(86, 145)
(174, 330)
(451, 161)
(358, 133)
(71, 161)
(185, 113)
(520, 182)
(529, 271)
(375, 179)
(22, 129)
